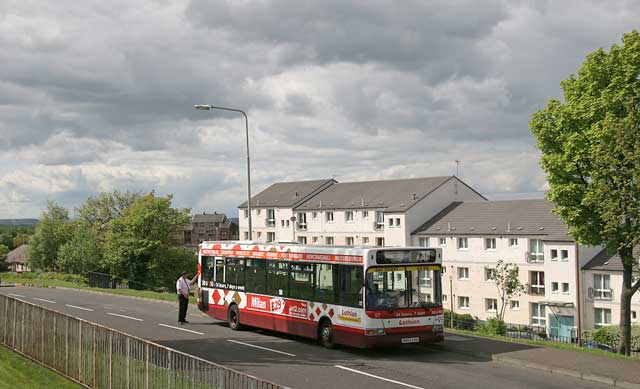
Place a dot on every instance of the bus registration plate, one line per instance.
(410, 340)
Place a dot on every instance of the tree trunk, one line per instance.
(625, 302)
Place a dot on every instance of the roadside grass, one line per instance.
(43, 281)
(561, 346)
(17, 371)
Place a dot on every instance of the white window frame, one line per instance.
(397, 222)
(380, 239)
(513, 242)
(329, 241)
(460, 244)
(246, 235)
(302, 239)
(568, 290)
(442, 241)
(491, 305)
(328, 217)
(365, 214)
(553, 254)
(487, 273)
(390, 220)
(444, 298)
(272, 235)
(514, 305)
(634, 316)
(539, 286)
(246, 213)
(302, 221)
(602, 320)
(365, 240)
(600, 289)
(462, 299)
(348, 216)
(423, 242)
(555, 287)
(349, 241)
(536, 250)
(490, 244)
(314, 240)
(538, 315)
(314, 215)
(564, 258)
(271, 217)
(463, 273)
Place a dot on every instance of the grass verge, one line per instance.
(561, 346)
(17, 371)
(23, 279)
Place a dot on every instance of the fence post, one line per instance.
(110, 357)
(55, 335)
(24, 309)
(128, 360)
(168, 369)
(95, 346)
(80, 360)
(66, 345)
(146, 365)
(42, 320)
(15, 318)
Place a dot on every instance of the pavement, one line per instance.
(459, 362)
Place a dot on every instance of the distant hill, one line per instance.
(18, 222)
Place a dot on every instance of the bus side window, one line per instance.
(351, 285)
(255, 275)
(301, 281)
(234, 271)
(277, 278)
(326, 283)
(220, 270)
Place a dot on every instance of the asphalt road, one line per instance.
(292, 361)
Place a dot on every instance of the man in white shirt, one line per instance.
(183, 290)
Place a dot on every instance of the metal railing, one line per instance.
(99, 357)
(109, 281)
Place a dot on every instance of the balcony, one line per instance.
(270, 222)
(601, 294)
(301, 226)
(536, 290)
(378, 225)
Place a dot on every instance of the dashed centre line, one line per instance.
(46, 301)
(261, 348)
(17, 295)
(77, 307)
(378, 377)
(125, 316)
(181, 329)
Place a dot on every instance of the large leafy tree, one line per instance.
(81, 253)
(142, 236)
(590, 146)
(99, 210)
(4, 250)
(52, 232)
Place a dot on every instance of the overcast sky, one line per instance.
(97, 95)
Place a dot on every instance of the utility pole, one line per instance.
(458, 168)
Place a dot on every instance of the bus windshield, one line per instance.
(403, 287)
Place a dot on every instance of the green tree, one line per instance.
(4, 250)
(53, 231)
(590, 146)
(20, 239)
(97, 212)
(81, 253)
(505, 276)
(141, 236)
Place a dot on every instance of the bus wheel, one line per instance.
(325, 333)
(234, 318)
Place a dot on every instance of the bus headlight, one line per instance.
(437, 328)
(374, 332)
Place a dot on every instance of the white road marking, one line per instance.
(126, 317)
(260, 347)
(17, 295)
(46, 301)
(181, 329)
(76, 307)
(378, 377)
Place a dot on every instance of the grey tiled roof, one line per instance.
(390, 195)
(610, 262)
(510, 217)
(208, 218)
(288, 194)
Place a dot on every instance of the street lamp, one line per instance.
(207, 107)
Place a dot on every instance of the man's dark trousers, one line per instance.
(182, 311)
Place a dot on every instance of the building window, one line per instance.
(602, 287)
(246, 235)
(489, 274)
(314, 215)
(423, 242)
(365, 214)
(314, 240)
(463, 273)
(328, 240)
(328, 216)
(379, 225)
(463, 302)
(302, 239)
(491, 305)
(554, 255)
(348, 216)
(397, 222)
(602, 317)
(564, 255)
(271, 236)
(302, 221)
(444, 270)
(259, 234)
(271, 217)
(380, 242)
(348, 240)
(514, 305)
(554, 287)
(536, 282)
(513, 242)
(536, 251)
(365, 240)
(565, 287)
(246, 213)
(490, 243)
(463, 244)
(634, 316)
(390, 222)
(442, 241)
(258, 211)
(444, 298)
(538, 315)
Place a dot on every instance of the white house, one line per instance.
(474, 236)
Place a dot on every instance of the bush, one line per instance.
(493, 326)
(460, 321)
(610, 335)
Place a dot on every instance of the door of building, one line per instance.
(561, 327)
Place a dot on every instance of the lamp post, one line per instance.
(207, 107)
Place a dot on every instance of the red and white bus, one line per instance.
(356, 296)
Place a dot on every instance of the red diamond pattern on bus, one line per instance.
(318, 311)
(215, 296)
(331, 313)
